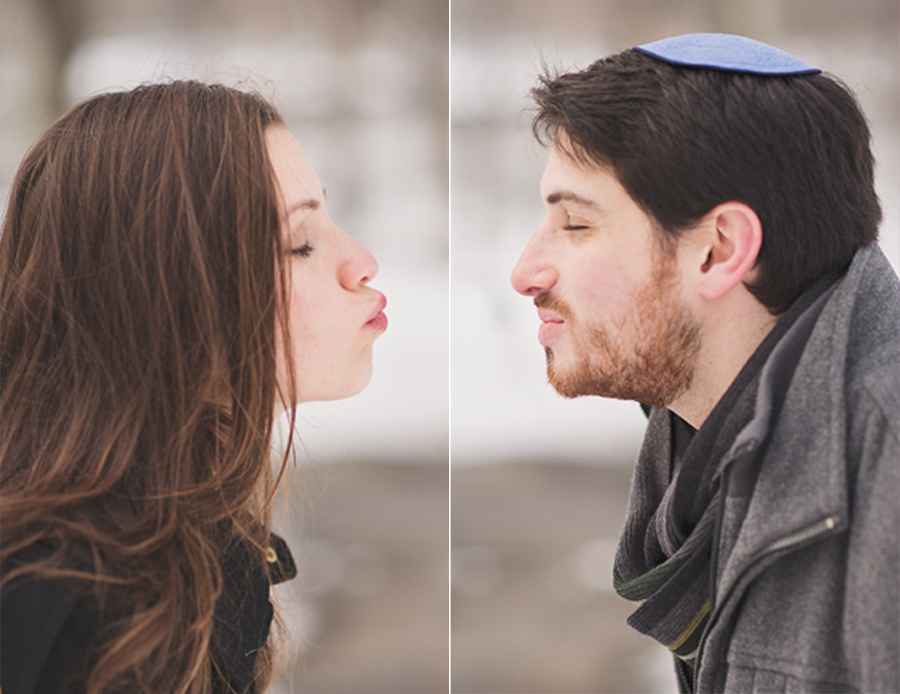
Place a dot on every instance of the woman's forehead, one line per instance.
(297, 180)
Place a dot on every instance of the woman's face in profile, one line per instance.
(334, 316)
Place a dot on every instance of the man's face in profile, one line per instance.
(613, 322)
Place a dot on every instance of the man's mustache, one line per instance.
(553, 303)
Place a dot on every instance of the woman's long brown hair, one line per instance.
(140, 265)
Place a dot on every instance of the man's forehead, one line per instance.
(568, 179)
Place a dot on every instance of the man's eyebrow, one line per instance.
(567, 196)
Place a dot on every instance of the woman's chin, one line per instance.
(326, 392)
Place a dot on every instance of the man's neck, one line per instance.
(729, 337)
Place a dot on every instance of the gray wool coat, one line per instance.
(807, 557)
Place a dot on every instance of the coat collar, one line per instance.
(802, 480)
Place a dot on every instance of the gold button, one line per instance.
(271, 556)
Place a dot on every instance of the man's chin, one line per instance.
(570, 381)
(577, 380)
(557, 375)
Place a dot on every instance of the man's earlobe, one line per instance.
(731, 248)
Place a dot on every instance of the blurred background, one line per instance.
(363, 85)
(539, 483)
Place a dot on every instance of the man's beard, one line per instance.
(650, 358)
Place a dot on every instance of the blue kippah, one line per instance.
(726, 52)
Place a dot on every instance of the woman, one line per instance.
(171, 283)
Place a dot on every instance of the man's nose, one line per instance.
(534, 273)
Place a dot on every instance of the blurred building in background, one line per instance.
(363, 85)
(539, 483)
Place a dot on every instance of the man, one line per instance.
(709, 251)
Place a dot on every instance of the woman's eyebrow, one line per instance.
(310, 204)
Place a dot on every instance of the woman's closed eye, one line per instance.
(303, 251)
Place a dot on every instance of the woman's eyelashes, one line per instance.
(303, 251)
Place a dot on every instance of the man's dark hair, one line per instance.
(682, 140)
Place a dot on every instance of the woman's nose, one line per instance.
(358, 265)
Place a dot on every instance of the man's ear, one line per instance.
(729, 248)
